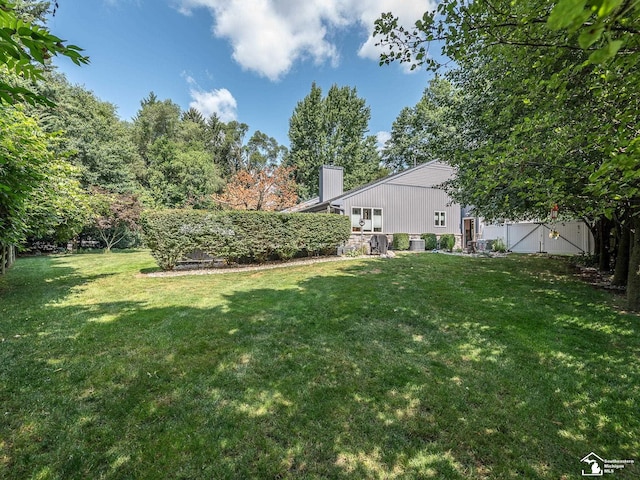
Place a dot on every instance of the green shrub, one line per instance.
(430, 241)
(240, 236)
(401, 241)
(447, 242)
(356, 252)
(498, 245)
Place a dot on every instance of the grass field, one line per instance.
(423, 366)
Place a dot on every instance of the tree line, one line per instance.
(69, 165)
(535, 104)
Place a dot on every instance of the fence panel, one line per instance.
(573, 237)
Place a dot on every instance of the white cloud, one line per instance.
(269, 36)
(218, 101)
(406, 11)
(189, 79)
(381, 138)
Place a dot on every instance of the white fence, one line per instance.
(570, 238)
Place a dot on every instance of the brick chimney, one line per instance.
(330, 182)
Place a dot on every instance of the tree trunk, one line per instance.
(621, 273)
(633, 280)
(596, 242)
(603, 244)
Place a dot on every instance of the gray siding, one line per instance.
(431, 175)
(408, 209)
(409, 201)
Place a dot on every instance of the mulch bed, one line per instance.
(594, 277)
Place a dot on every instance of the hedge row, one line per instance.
(240, 235)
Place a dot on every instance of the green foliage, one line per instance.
(430, 241)
(24, 159)
(332, 131)
(156, 119)
(498, 245)
(419, 134)
(357, 252)
(180, 177)
(187, 159)
(93, 137)
(447, 242)
(58, 208)
(262, 151)
(549, 106)
(25, 50)
(240, 235)
(400, 241)
(604, 26)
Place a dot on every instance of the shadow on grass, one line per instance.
(40, 281)
(407, 369)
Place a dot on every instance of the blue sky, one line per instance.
(246, 60)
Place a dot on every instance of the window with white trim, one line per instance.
(371, 219)
(440, 219)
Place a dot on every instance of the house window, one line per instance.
(371, 217)
(439, 219)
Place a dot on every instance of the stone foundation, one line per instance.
(356, 240)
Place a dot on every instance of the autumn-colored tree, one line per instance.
(270, 188)
(115, 216)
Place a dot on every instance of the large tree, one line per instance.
(423, 133)
(332, 130)
(550, 110)
(262, 150)
(227, 144)
(98, 142)
(31, 174)
(115, 215)
(35, 183)
(179, 154)
(58, 208)
(270, 188)
(23, 153)
(156, 119)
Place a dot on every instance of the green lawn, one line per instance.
(423, 366)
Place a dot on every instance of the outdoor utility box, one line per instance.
(416, 245)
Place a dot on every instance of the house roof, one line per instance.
(303, 205)
(314, 205)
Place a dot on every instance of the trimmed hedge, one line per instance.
(237, 236)
(447, 241)
(430, 241)
(401, 241)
